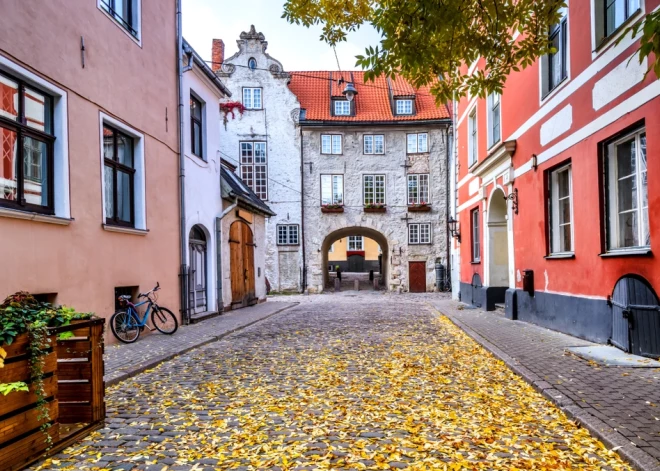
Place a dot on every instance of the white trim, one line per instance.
(466, 179)
(139, 180)
(468, 203)
(573, 295)
(600, 49)
(374, 175)
(473, 147)
(490, 137)
(125, 230)
(469, 106)
(553, 220)
(37, 217)
(543, 70)
(137, 40)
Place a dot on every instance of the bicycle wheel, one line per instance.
(164, 320)
(124, 327)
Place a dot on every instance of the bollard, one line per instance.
(337, 285)
(357, 285)
(375, 284)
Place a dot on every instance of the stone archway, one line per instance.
(344, 232)
(497, 239)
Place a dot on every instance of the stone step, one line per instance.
(500, 306)
(202, 316)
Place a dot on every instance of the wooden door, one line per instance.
(198, 269)
(241, 243)
(417, 272)
(248, 268)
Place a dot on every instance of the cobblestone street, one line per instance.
(377, 382)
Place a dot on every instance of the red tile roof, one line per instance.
(314, 90)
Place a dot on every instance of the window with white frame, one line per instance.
(331, 144)
(355, 243)
(419, 233)
(342, 108)
(287, 234)
(472, 137)
(494, 119)
(404, 106)
(418, 143)
(374, 144)
(554, 66)
(254, 167)
(196, 127)
(627, 192)
(252, 98)
(560, 185)
(418, 189)
(124, 12)
(332, 190)
(476, 236)
(611, 14)
(373, 189)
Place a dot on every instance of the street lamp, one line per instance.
(453, 228)
(349, 92)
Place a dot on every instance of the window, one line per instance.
(627, 192)
(404, 106)
(418, 189)
(419, 233)
(374, 144)
(374, 189)
(355, 243)
(287, 234)
(561, 210)
(332, 189)
(26, 151)
(254, 167)
(252, 63)
(494, 133)
(472, 137)
(125, 12)
(342, 108)
(616, 12)
(331, 144)
(476, 240)
(196, 127)
(119, 176)
(418, 143)
(554, 66)
(252, 98)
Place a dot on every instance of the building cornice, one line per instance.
(502, 152)
(431, 122)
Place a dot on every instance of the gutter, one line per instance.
(218, 247)
(429, 122)
(302, 215)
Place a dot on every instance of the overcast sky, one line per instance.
(296, 47)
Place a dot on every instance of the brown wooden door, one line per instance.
(417, 273)
(241, 244)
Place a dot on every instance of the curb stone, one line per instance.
(153, 362)
(638, 459)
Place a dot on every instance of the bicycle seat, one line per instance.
(126, 297)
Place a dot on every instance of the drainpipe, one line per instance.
(218, 248)
(302, 213)
(183, 272)
(448, 170)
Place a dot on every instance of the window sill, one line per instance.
(614, 35)
(555, 90)
(37, 217)
(475, 262)
(125, 230)
(137, 39)
(560, 256)
(638, 252)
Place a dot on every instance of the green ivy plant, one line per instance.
(6, 388)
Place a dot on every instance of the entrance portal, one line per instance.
(498, 241)
(242, 264)
(198, 273)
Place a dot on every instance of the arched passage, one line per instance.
(346, 232)
(498, 242)
(197, 246)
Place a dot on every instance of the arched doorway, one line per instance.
(241, 254)
(198, 270)
(498, 241)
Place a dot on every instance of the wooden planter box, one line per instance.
(75, 392)
(332, 210)
(420, 208)
(375, 210)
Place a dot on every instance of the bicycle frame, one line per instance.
(133, 314)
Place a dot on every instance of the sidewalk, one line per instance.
(125, 360)
(621, 406)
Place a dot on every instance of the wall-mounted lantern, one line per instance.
(453, 228)
(349, 92)
(513, 197)
(535, 162)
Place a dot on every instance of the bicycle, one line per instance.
(126, 324)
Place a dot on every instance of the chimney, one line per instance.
(217, 54)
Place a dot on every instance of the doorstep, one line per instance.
(202, 316)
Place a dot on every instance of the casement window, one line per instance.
(252, 98)
(254, 167)
(476, 236)
(374, 144)
(560, 201)
(331, 144)
(612, 14)
(418, 143)
(342, 107)
(287, 234)
(404, 107)
(332, 189)
(124, 12)
(419, 233)
(554, 66)
(119, 177)
(418, 189)
(355, 243)
(374, 189)
(196, 127)
(494, 119)
(26, 147)
(627, 192)
(472, 137)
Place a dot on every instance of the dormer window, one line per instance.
(404, 106)
(342, 108)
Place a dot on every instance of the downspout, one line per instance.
(218, 248)
(183, 272)
(448, 189)
(302, 213)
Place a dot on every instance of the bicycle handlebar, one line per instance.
(144, 295)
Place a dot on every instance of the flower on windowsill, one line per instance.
(375, 206)
(332, 206)
(421, 204)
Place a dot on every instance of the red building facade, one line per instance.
(556, 203)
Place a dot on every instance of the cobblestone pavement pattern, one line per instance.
(336, 383)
